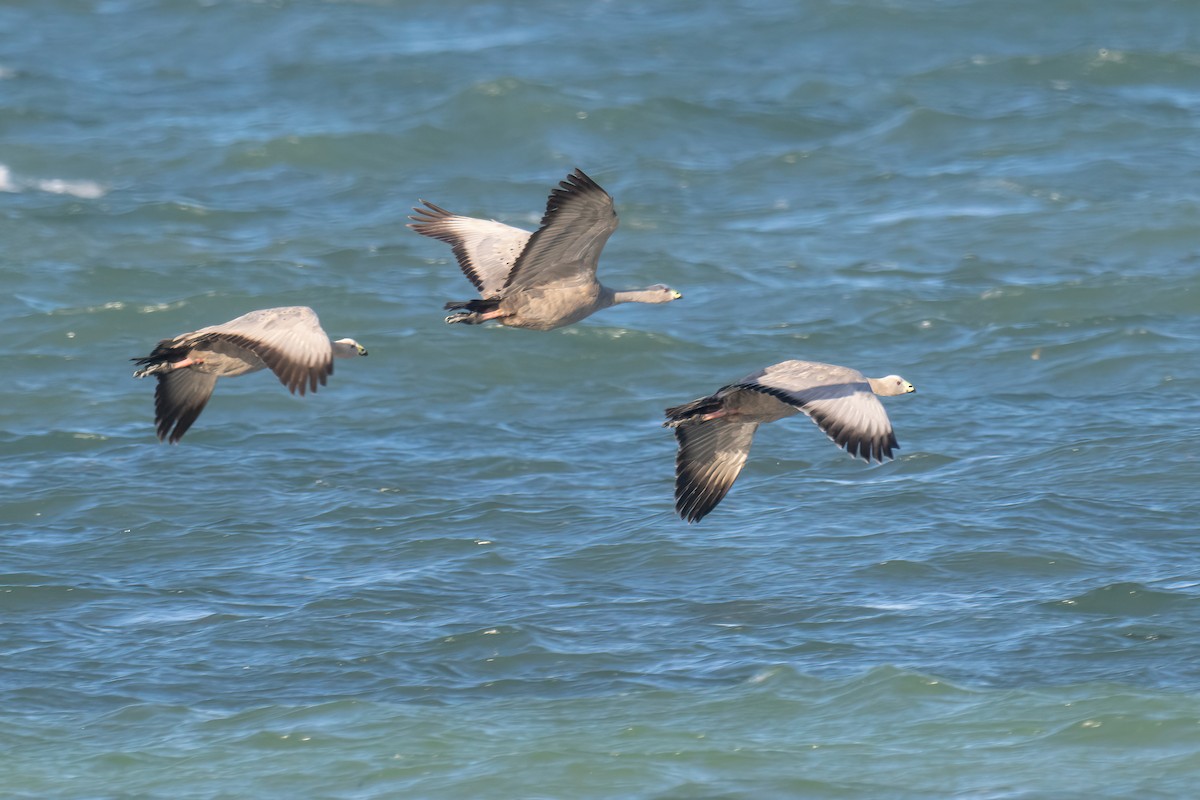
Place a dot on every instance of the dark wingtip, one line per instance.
(691, 511)
(578, 179)
(429, 214)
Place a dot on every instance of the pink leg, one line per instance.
(187, 362)
(713, 415)
(491, 314)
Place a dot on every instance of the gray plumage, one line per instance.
(541, 280)
(288, 341)
(715, 432)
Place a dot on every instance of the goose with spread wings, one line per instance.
(288, 341)
(715, 432)
(541, 280)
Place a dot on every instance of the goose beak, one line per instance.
(362, 351)
(676, 295)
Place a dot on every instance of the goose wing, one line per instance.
(838, 399)
(579, 219)
(711, 455)
(289, 340)
(486, 250)
(179, 397)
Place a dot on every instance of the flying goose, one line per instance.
(541, 280)
(288, 341)
(715, 432)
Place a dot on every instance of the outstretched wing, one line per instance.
(179, 398)
(579, 219)
(486, 250)
(711, 455)
(838, 399)
(289, 340)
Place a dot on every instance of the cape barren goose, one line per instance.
(715, 432)
(541, 280)
(288, 341)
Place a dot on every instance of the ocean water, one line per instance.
(455, 571)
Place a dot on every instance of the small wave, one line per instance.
(156, 307)
(1121, 599)
(88, 190)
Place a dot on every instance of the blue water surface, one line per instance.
(455, 571)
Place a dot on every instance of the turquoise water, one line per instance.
(455, 571)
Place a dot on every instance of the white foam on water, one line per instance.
(87, 190)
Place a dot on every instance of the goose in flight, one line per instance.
(288, 341)
(541, 280)
(715, 432)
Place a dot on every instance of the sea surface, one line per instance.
(455, 571)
